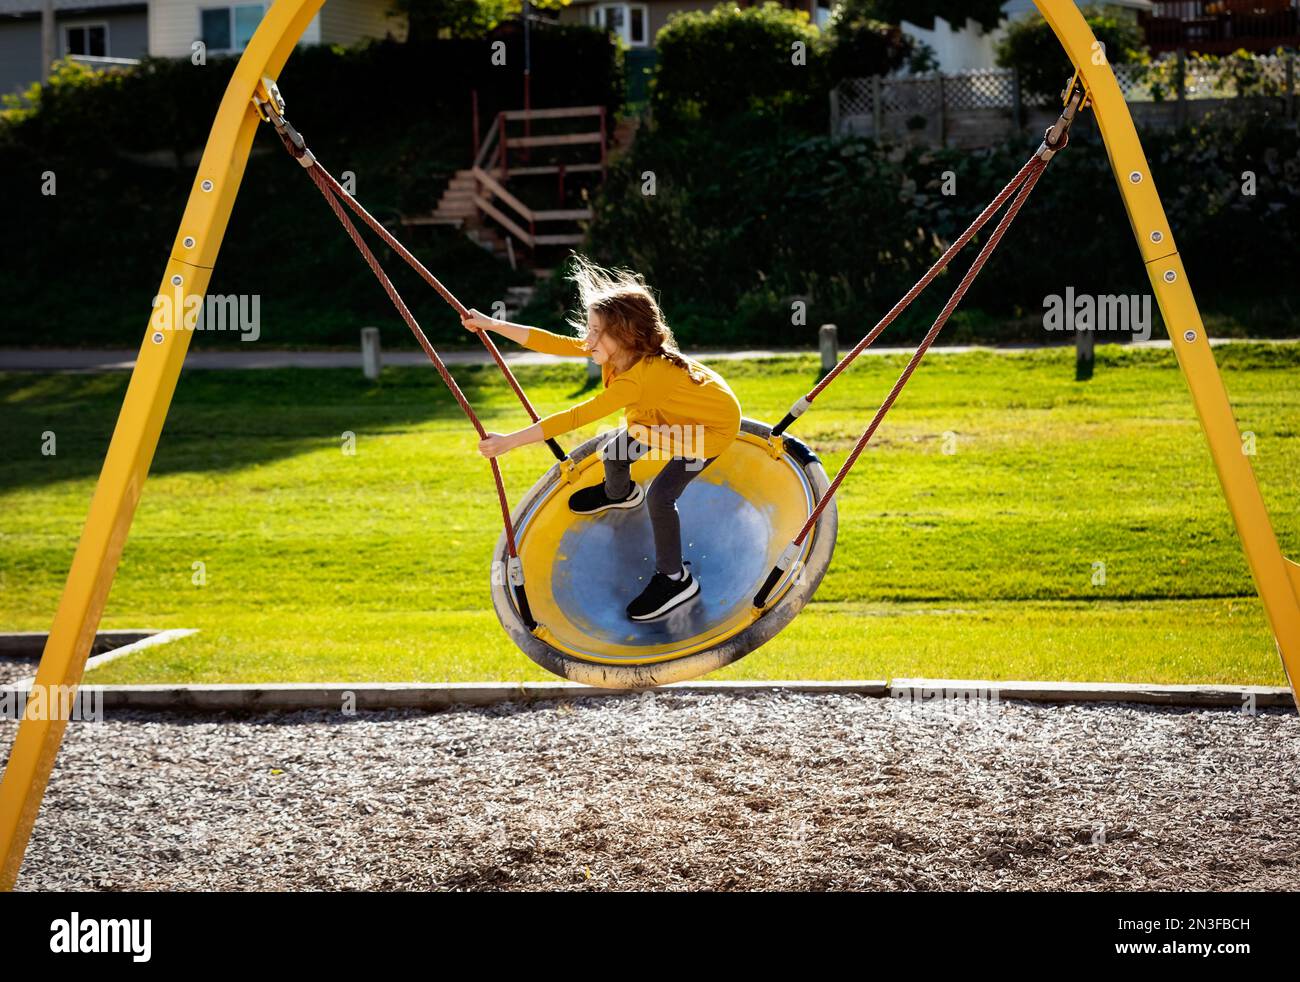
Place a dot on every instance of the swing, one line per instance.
(561, 582)
(582, 571)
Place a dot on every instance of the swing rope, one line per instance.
(334, 194)
(1018, 191)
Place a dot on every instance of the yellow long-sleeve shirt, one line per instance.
(665, 408)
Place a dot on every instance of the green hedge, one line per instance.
(747, 219)
(378, 87)
(396, 115)
(751, 211)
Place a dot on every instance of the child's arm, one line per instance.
(623, 391)
(495, 444)
(530, 337)
(552, 344)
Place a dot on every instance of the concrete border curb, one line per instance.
(1061, 692)
(435, 695)
(418, 695)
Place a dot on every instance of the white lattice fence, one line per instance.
(986, 89)
(871, 105)
(925, 94)
(1233, 77)
(912, 95)
(1136, 81)
(854, 97)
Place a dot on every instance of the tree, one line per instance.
(731, 61)
(987, 13)
(1031, 47)
(430, 19)
(862, 45)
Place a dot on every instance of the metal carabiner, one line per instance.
(1057, 137)
(270, 106)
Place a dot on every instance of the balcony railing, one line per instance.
(104, 64)
(1220, 26)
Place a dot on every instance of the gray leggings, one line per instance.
(618, 455)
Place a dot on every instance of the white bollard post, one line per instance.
(829, 339)
(370, 361)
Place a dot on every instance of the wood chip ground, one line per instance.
(659, 791)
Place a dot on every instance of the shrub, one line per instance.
(431, 19)
(91, 254)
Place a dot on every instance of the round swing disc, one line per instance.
(580, 572)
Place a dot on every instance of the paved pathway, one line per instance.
(123, 359)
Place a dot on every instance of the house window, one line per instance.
(822, 13)
(86, 39)
(229, 28)
(630, 21)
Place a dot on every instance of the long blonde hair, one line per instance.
(629, 313)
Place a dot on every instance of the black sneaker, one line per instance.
(662, 595)
(592, 501)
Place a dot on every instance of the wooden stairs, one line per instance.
(479, 201)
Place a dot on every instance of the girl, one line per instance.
(675, 407)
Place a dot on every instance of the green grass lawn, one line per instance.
(323, 566)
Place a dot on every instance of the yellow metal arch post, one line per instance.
(194, 253)
(135, 438)
(1277, 579)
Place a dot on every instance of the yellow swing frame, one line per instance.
(194, 254)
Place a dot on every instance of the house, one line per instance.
(968, 46)
(1207, 26)
(1221, 26)
(90, 28)
(107, 32)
